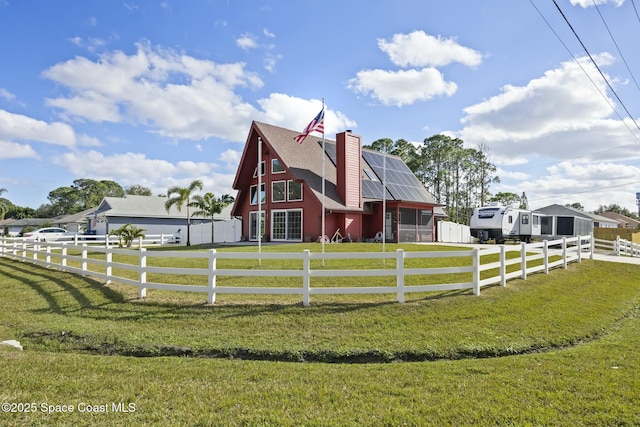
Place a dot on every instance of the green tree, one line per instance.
(210, 205)
(82, 194)
(401, 148)
(617, 209)
(575, 205)
(181, 196)
(506, 198)
(138, 190)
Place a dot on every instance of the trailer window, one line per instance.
(510, 219)
(525, 219)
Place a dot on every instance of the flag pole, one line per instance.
(323, 187)
(259, 196)
(384, 199)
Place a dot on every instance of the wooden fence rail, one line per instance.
(557, 253)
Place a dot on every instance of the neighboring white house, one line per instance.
(149, 213)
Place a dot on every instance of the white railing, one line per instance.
(626, 248)
(551, 253)
(619, 247)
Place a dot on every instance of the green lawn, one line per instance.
(568, 345)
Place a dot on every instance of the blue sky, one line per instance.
(162, 93)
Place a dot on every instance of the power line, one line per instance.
(634, 8)
(616, 44)
(596, 65)
(613, 108)
(592, 190)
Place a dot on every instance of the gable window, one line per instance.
(262, 170)
(278, 191)
(254, 196)
(295, 191)
(276, 166)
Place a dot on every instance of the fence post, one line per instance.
(617, 246)
(108, 268)
(545, 251)
(36, 249)
(142, 293)
(592, 247)
(503, 265)
(523, 260)
(564, 253)
(306, 276)
(213, 265)
(579, 245)
(84, 257)
(47, 259)
(400, 274)
(476, 271)
(63, 259)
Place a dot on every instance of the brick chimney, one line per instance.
(348, 167)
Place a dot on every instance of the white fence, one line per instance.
(551, 253)
(451, 232)
(620, 247)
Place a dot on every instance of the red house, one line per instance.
(291, 190)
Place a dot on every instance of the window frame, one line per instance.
(289, 182)
(284, 191)
(273, 171)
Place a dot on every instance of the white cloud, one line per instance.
(173, 94)
(560, 115)
(402, 87)
(246, 42)
(418, 49)
(136, 168)
(231, 158)
(4, 93)
(268, 33)
(295, 113)
(422, 81)
(591, 184)
(20, 127)
(13, 150)
(589, 3)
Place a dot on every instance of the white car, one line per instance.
(47, 234)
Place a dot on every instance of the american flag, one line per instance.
(316, 125)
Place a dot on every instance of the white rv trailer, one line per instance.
(500, 223)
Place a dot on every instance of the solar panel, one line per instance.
(401, 183)
(330, 149)
(373, 190)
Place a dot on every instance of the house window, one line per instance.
(253, 225)
(254, 196)
(276, 166)
(295, 191)
(278, 191)
(262, 168)
(286, 225)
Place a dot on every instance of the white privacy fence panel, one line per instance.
(557, 253)
(451, 232)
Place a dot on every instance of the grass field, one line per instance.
(558, 349)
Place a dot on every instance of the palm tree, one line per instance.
(209, 205)
(180, 196)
